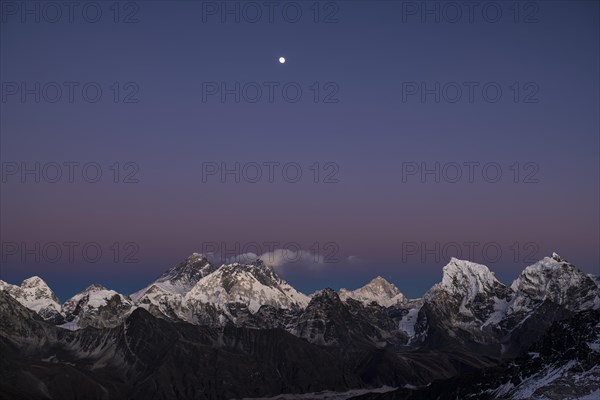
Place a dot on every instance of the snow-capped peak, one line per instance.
(34, 281)
(94, 295)
(378, 290)
(545, 270)
(96, 306)
(467, 278)
(94, 287)
(555, 279)
(36, 295)
(190, 271)
(469, 297)
(253, 284)
(182, 277)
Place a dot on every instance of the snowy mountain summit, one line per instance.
(252, 285)
(96, 306)
(466, 305)
(378, 290)
(557, 280)
(181, 278)
(186, 274)
(36, 295)
(467, 279)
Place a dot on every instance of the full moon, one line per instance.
(282, 60)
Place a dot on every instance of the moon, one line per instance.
(281, 60)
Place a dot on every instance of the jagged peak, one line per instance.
(380, 279)
(95, 290)
(466, 263)
(549, 268)
(326, 294)
(552, 263)
(193, 258)
(556, 279)
(258, 269)
(34, 293)
(378, 290)
(457, 267)
(253, 284)
(182, 277)
(466, 278)
(33, 282)
(197, 255)
(258, 263)
(94, 287)
(94, 296)
(326, 299)
(192, 269)
(377, 281)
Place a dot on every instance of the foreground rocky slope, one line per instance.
(150, 358)
(564, 363)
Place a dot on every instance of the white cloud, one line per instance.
(353, 260)
(280, 258)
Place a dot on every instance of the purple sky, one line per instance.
(370, 201)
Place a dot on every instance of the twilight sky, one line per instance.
(473, 135)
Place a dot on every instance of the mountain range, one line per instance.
(241, 331)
